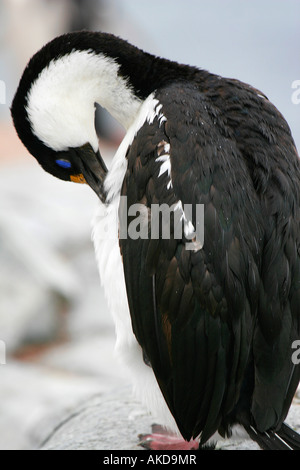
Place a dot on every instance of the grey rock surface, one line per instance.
(114, 420)
(111, 421)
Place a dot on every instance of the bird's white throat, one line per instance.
(61, 101)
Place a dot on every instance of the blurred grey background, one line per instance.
(56, 334)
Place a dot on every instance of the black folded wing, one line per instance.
(195, 311)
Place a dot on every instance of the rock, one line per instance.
(106, 422)
(113, 421)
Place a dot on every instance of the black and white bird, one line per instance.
(207, 329)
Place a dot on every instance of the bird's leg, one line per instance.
(162, 439)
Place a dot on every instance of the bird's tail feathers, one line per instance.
(283, 439)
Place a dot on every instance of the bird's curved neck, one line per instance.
(61, 101)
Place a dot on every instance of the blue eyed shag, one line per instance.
(206, 330)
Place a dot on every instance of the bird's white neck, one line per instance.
(61, 101)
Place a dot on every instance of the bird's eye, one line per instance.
(63, 163)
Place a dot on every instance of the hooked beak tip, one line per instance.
(78, 179)
(92, 170)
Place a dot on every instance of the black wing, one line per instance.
(203, 316)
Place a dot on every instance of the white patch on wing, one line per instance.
(165, 166)
(164, 158)
(163, 150)
(189, 228)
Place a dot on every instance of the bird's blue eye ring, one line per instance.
(63, 163)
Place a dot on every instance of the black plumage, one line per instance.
(223, 318)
